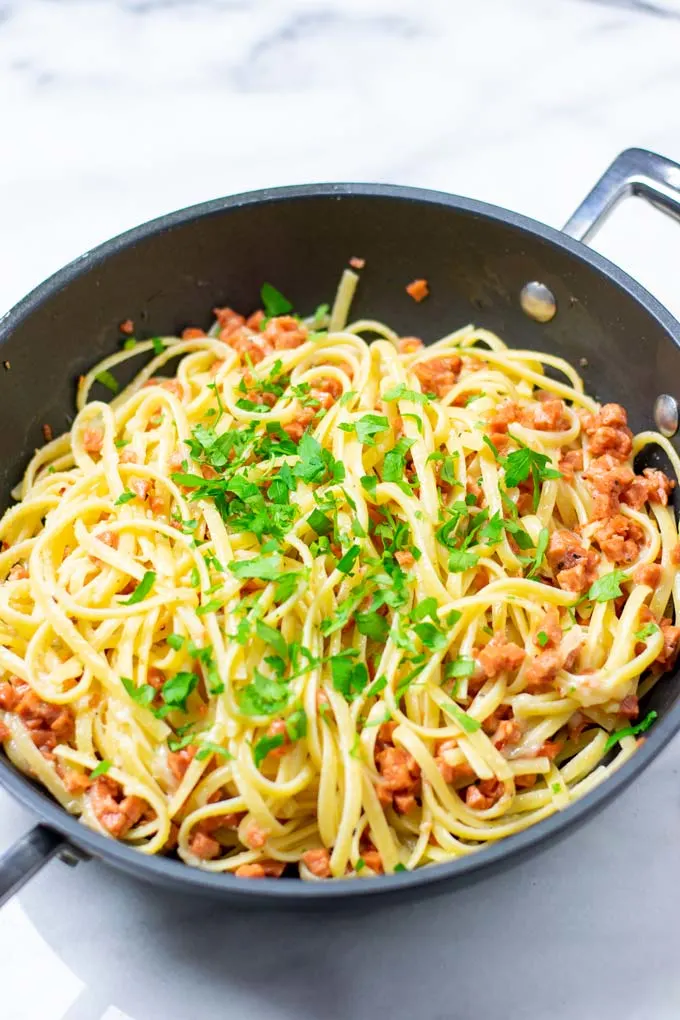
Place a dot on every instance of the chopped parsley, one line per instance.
(264, 568)
(273, 301)
(346, 563)
(143, 695)
(142, 589)
(207, 748)
(460, 667)
(175, 641)
(101, 769)
(158, 345)
(646, 632)
(631, 731)
(177, 689)
(607, 587)
(542, 638)
(124, 497)
(109, 381)
(402, 392)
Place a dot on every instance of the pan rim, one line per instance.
(291, 889)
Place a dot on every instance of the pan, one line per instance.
(535, 286)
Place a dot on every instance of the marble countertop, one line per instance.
(114, 111)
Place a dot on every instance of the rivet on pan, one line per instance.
(69, 855)
(666, 415)
(538, 301)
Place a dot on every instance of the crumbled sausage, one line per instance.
(648, 573)
(409, 344)
(255, 836)
(620, 539)
(115, 812)
(438, 375)
(574, 565)
(483, 795)
(651, 486)
(607, 480)
(93, 440)
(570, 462)
(192, 333)
(318, 862)
(203, 846)
(608, 432)
(179, 761)
(357, 263)
(418, 290)
(671, 643)
(500, 655)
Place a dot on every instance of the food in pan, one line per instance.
(310, 597)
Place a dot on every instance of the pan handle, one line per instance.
(38, 846)
(633, 172)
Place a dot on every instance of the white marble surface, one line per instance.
(113, 112)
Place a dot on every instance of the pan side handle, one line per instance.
(38, 846)
(633, 172)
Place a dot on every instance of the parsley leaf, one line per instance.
(175, 641)
(158, 345)
(106, 379)
(349, 678)
(465, 721)
(631, 731)
(124, 497)
(319, 522)
(264, 696)
(272, 637)
(541, 546)
(346, 563)
(265, 745)
(273, 301)
(524, 462)
(542, 638)
(607, 587)
(402, 392)
(142, 589)
(646, 632)
(370, 425)
(432, 637)
(373, 625)
(177, 689)
(100, 770)
(143, 695)
(428, 607)
(264, 568)
(461, 559)
(370, 484)
(460, 667)
(207, 748)
(395, 460)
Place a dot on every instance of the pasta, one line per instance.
(297, 601)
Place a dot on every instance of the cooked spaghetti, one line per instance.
(330, 606)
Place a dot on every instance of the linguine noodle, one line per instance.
(297, 599)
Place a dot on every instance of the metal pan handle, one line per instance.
(634, 172)
(29, 854)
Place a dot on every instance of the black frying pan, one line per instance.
(478, 260)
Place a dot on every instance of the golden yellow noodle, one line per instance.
(272, 590)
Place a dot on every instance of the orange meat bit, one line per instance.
(484, 795)
(203, 846)
(409, 344)
(179, 761)
(373, 860)
(357, 263)
(116, 813)
(192, 333)
(500, 655)
(93, 440)
(4, 732)
(649, 574)
(438, 375)
(318, 862)
(127, 327)
(608, 432)
(620, 539)
(266, 868)
(575, 567)
(418, 290)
